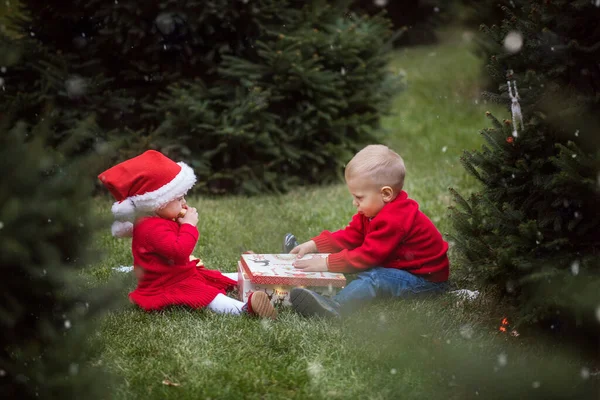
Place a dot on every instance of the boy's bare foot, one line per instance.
(260, 305)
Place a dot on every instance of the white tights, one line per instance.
(225, 305)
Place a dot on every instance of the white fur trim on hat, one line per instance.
(122, 229)
(124, 210)
(151, 201)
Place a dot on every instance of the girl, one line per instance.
(151, 208)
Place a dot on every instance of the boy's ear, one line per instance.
(387, 193)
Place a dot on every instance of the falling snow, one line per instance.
(75, 87)
(393, 371)
(1, 224)
(502, 359)
(265, 324)
(510, 286)
(575, 267)
(598, 313)
(380, 3)
(165, 23)
(444, 149)
(466, 331)
(513, 42)
(343, 71)
(536, 384)
(314, 369)
(585, 373)
(67, 324)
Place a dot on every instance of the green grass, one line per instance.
(427, 348)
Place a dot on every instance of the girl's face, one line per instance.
(367, 197)
(172, 209)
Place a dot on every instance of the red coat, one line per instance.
(161, 251)
(399, 236)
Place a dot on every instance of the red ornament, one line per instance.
(510, 139)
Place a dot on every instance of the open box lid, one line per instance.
(277, 269)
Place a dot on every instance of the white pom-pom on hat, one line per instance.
(123, 210)
(122, 229)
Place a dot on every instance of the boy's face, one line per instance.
(368, 198)
(172, 209)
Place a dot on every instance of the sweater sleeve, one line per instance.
(382, 241)
(173, 242)
(348, 238)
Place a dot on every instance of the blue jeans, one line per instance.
(382, 282)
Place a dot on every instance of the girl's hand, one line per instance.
(190, 217)
(304, 248)
(318, 264)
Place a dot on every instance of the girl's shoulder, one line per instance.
(150, 222)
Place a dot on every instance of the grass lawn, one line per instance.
(425, 349)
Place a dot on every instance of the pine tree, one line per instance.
(255, 95)
(46, 315)
(45, 226)
(534, 228)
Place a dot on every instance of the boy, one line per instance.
(394, 247)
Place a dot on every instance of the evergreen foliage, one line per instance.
(45, 225)
(419, 18)
(534, 228)
(255, 95)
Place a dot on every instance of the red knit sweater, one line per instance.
(399, 236)
(161, 250)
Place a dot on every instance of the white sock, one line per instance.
(225, 305)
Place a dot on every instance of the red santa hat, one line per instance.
(144, 184)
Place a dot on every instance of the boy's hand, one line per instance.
(190, 217)
(318, 264)
(304, 248)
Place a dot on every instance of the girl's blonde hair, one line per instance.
(380, 164)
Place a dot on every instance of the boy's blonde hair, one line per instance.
(380, 164)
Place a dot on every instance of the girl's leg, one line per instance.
(225, 305)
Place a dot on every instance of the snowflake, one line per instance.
(585, 373)
(466, 331)
(575, 267)
(314, 369)
(502, 359)
(513, 42)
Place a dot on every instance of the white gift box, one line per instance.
(275, 275)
